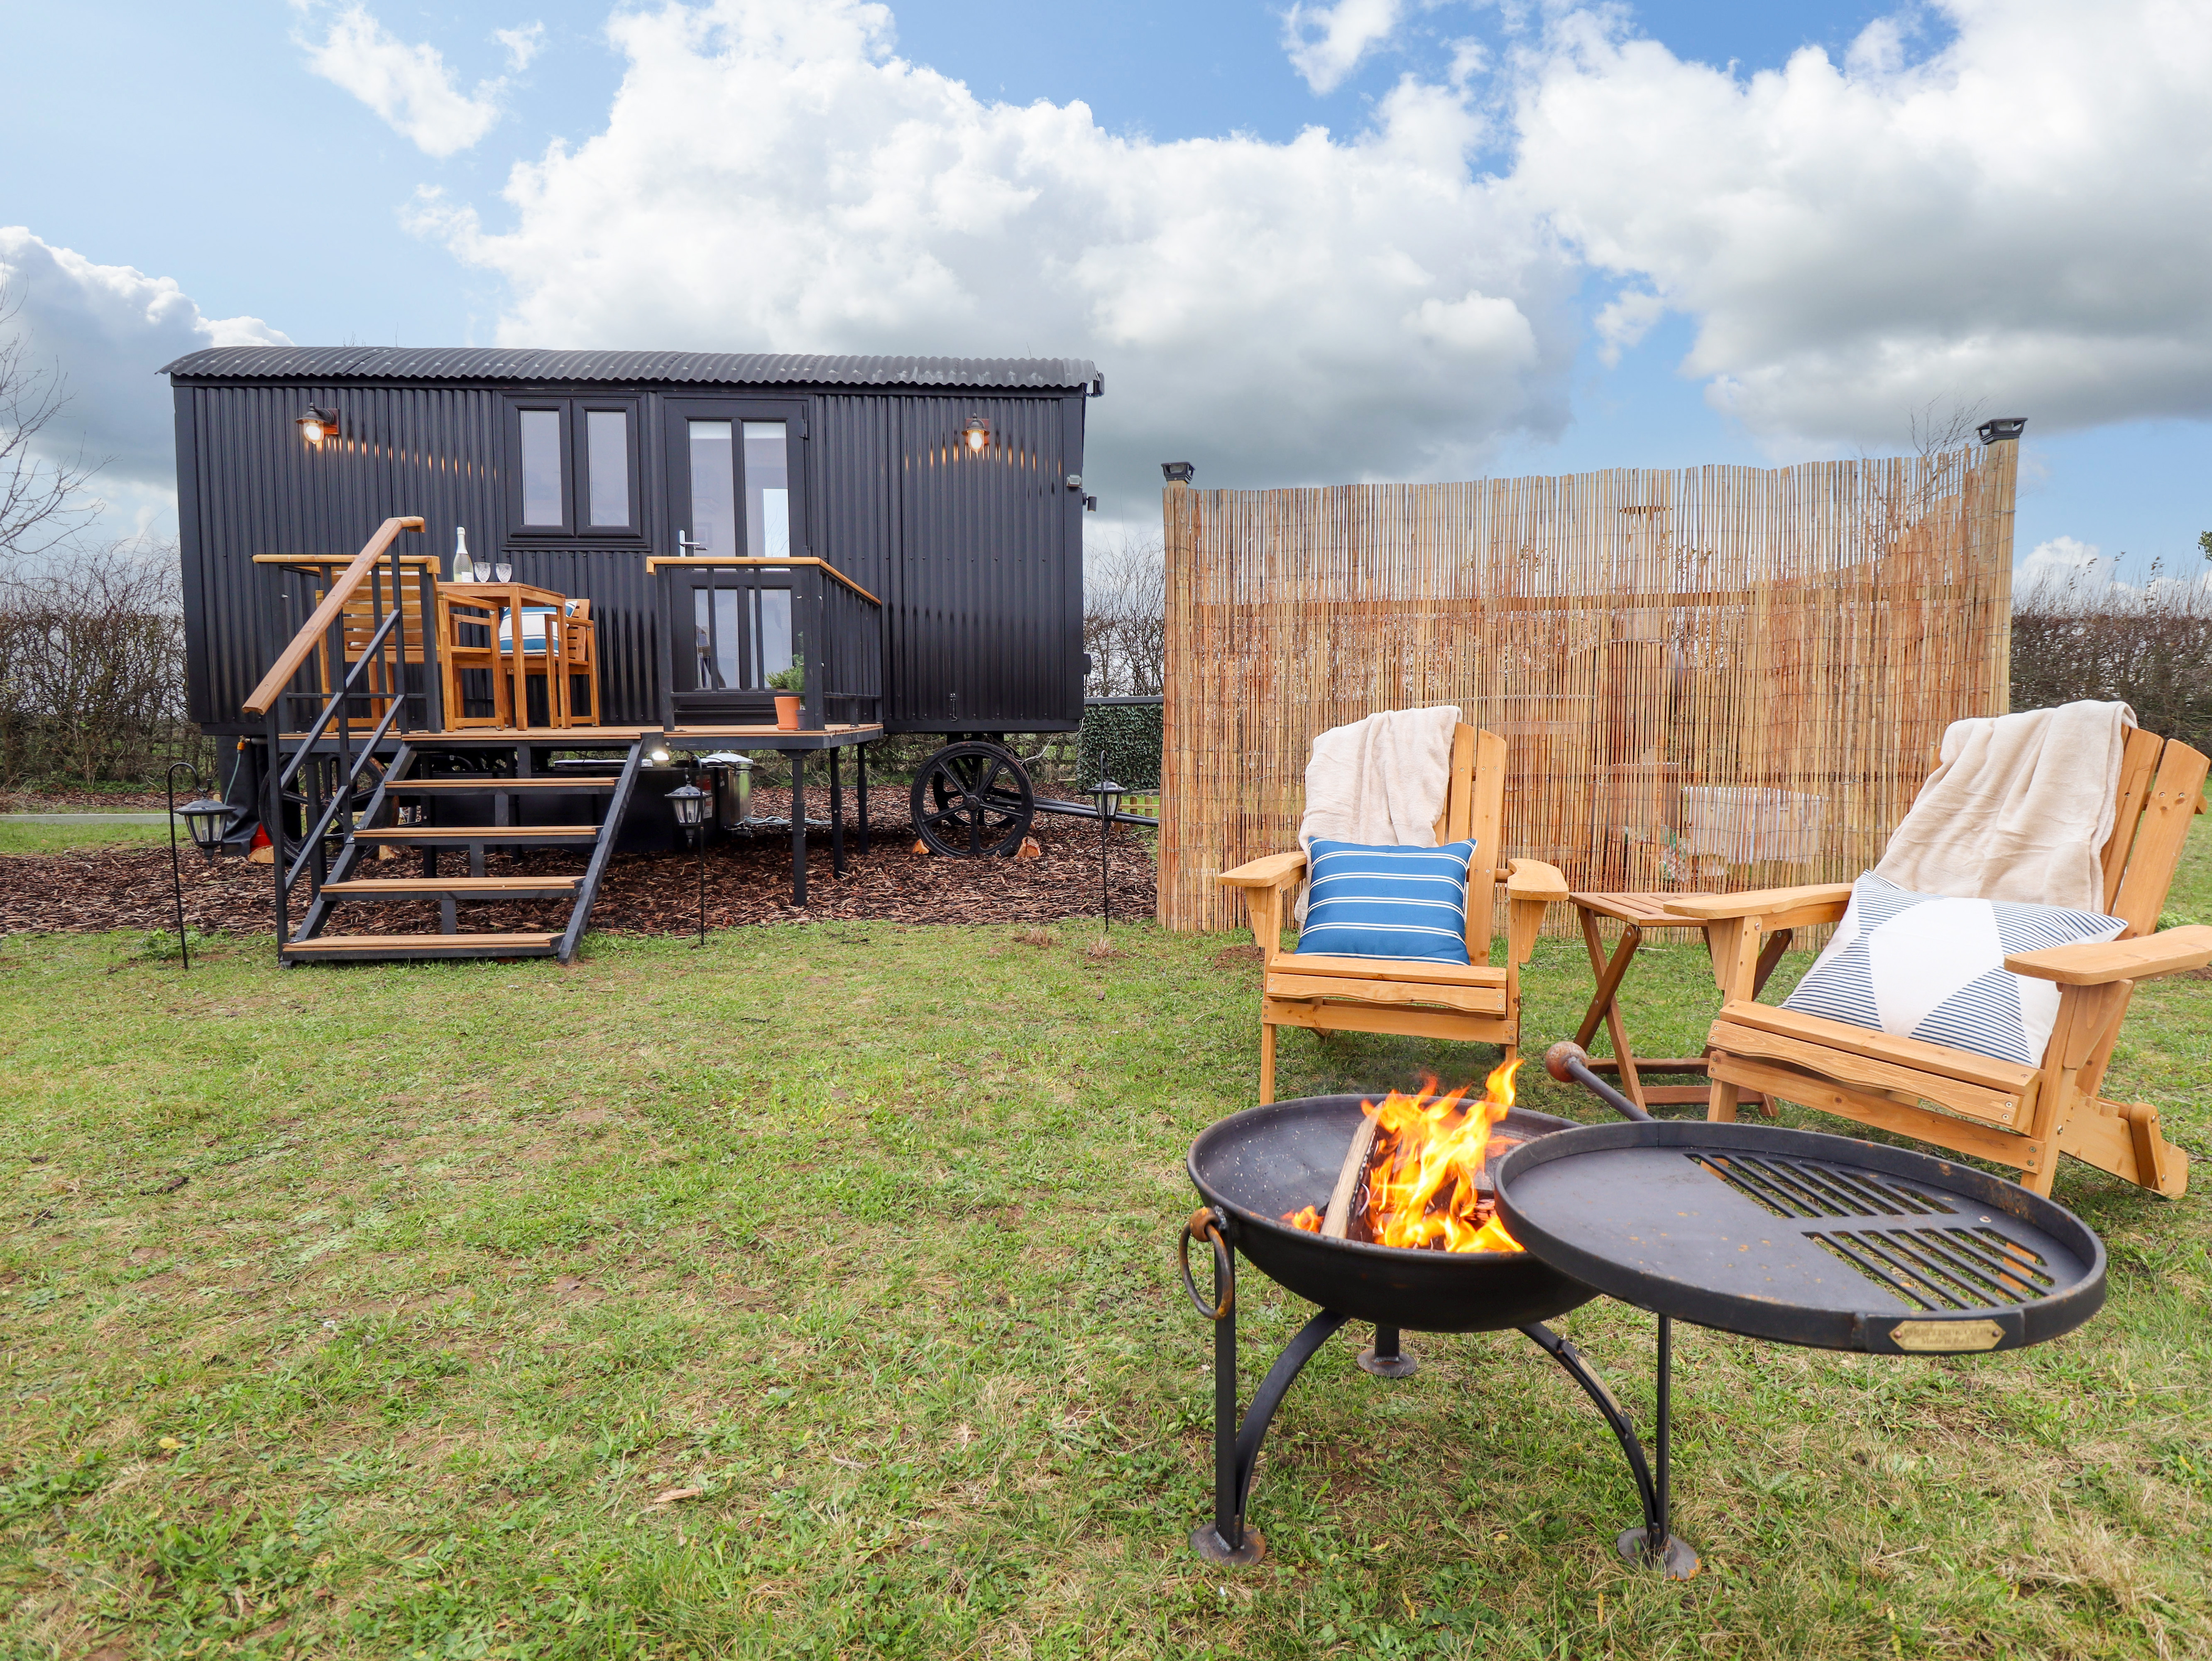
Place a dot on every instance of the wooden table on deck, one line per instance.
(1639, 914)
(507, 605)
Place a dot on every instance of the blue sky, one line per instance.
(201, 146)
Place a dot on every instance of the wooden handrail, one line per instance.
(657, 561)
(265, 695)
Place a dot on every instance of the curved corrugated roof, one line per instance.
(716, 369)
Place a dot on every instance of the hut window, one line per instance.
(767, 491)
(607, 464)
(542, 494)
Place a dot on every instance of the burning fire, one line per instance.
(1424, 1188)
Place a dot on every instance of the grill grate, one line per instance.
(1747, 1228)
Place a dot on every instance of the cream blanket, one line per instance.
(2020, 809)
(1382, 782)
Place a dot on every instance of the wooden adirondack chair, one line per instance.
(1473, 1003)
(2023, 1116)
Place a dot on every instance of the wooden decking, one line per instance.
(764, 736)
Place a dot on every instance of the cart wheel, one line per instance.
(970, 800)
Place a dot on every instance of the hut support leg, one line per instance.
(798, 827)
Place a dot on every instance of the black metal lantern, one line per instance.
(1108, 796)
(205, 818)
(689, 802)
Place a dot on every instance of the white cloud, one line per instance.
(108, 328)
(2063, 559)
(409, 87)
(772, 177)
(1327, 41)
(2069, 570)
(523, 45)
(2021, 218)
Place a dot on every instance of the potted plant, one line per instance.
(790, 687)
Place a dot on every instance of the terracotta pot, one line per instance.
(786, 714)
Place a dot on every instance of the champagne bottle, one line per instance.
(462, 571)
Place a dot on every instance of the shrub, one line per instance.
(2149, 646)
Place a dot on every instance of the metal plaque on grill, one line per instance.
(1803, 1238)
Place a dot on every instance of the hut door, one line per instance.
(736, 479)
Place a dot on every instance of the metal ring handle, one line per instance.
(1204, 1225)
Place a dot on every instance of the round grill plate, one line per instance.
(1802, 1239)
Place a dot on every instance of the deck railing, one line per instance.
(729, 624)
(323, 665)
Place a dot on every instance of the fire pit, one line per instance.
(1781, 1235)
(1264, 1174)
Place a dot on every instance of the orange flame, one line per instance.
(1308, 1219)
(1424, 1188)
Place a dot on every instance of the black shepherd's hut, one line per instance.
(946, 493)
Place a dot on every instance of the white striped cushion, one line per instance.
(1370, 902)
(1929, 967)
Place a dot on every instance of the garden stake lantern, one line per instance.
(689, 802)
(1108, 795)
(204, 819)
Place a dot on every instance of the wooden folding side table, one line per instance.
(1637, 914)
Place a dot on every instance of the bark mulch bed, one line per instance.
(747, 882)
(88, 801)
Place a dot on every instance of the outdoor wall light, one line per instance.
(1178, 472)
(656, 752)
(2003, 428)
(317, 425)
(977, 433)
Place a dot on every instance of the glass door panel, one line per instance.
(772, 648)
(767, 491)
(713, 490)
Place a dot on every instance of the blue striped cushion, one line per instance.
(1387, 901)
(1928, 967)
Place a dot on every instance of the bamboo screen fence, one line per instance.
(1715, 679)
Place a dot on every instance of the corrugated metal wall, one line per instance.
(977, 558)
(988, 590)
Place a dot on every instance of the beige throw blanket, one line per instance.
(2020, 809)
(1382, 782)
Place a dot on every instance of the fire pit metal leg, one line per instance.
(1386, 1358)
(1236, 1445)
(1679, 1561)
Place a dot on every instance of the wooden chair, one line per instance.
(1999, 1110)
(1471, 1003)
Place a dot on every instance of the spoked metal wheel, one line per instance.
(970, 800)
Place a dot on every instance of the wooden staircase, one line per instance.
(374, 767)
(400, 813)
(410, 786)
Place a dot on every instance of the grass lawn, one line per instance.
(31, 837)
(378, 1312)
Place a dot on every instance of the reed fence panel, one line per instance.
(1712, 679)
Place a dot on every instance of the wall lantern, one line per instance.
(977, 433)
(317, 425)
(1178, 472)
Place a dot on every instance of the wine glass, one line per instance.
(504, 571)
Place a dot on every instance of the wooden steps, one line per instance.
(347, 884)
(384, 947)
(507, 836)
(498, 787)
(458, 888)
